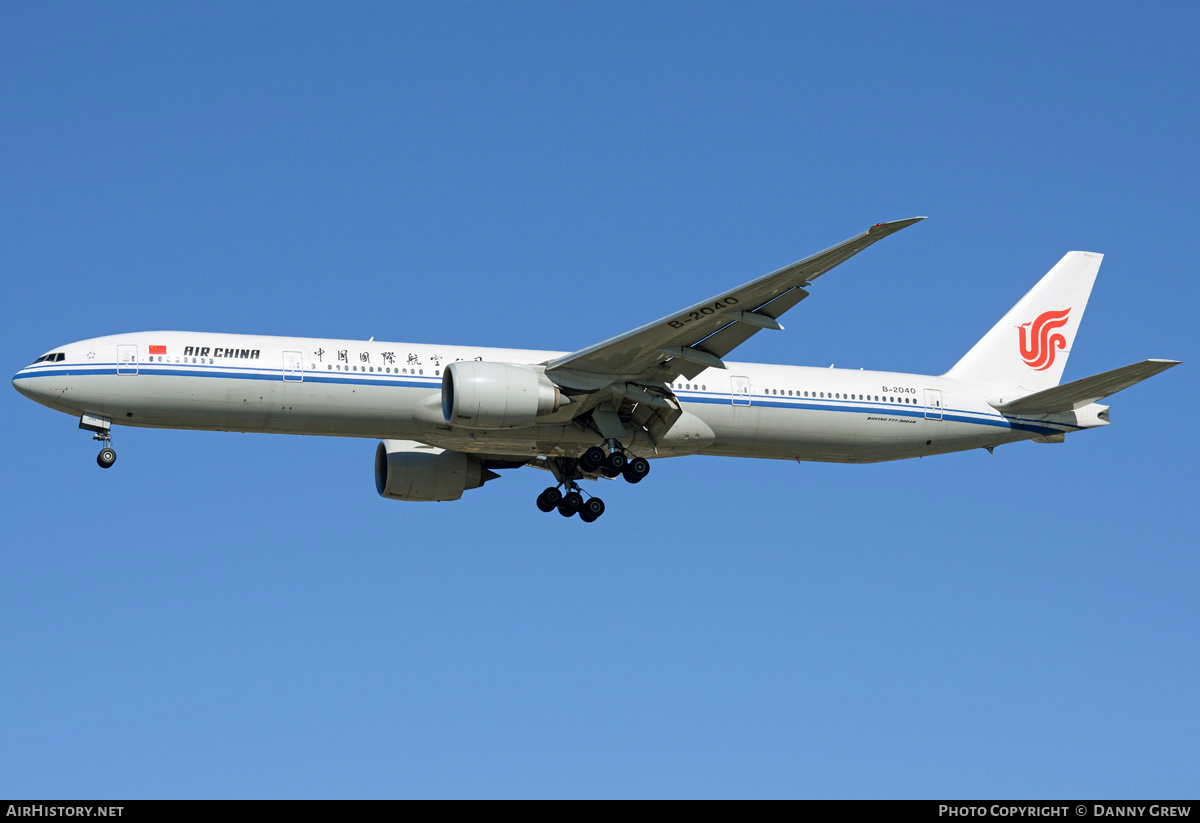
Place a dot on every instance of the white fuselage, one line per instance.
(375, 389)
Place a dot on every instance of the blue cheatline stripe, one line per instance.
(427, 382)
(233, 373)
(953, 415)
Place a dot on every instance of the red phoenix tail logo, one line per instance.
(1038, 344)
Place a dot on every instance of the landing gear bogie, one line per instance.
(567, 497)
(571, 503)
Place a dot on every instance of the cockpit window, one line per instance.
(53, 357)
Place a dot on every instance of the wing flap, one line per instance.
(1079, 393)
(725, 340)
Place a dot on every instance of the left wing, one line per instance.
(689, 341)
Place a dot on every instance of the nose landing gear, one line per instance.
(101, 428)
(106, 457)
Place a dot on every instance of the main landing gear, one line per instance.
(570, 503)
(594, 461)
(614, 463)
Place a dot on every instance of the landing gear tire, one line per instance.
(593, 508)
(636, 469)
(106, 457)
(572, 502)
(615, 463)
(549, 499)
(592, 459)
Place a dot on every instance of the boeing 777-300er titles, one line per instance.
(449, 416)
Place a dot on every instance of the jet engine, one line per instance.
(407, 470)
(482, 395)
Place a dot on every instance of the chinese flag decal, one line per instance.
(158, 349)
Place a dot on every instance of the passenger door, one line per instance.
(293, 366)
(933, 404)
(127, 359)
(741, 390)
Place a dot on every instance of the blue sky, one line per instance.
(227, 615)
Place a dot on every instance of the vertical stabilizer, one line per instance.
(1028, 348)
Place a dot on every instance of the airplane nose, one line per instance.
(21, 384)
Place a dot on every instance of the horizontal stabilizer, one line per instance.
(1080, 393)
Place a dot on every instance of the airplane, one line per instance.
(450, 417)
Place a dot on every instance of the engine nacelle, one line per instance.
(407, 470)
(482, 395)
